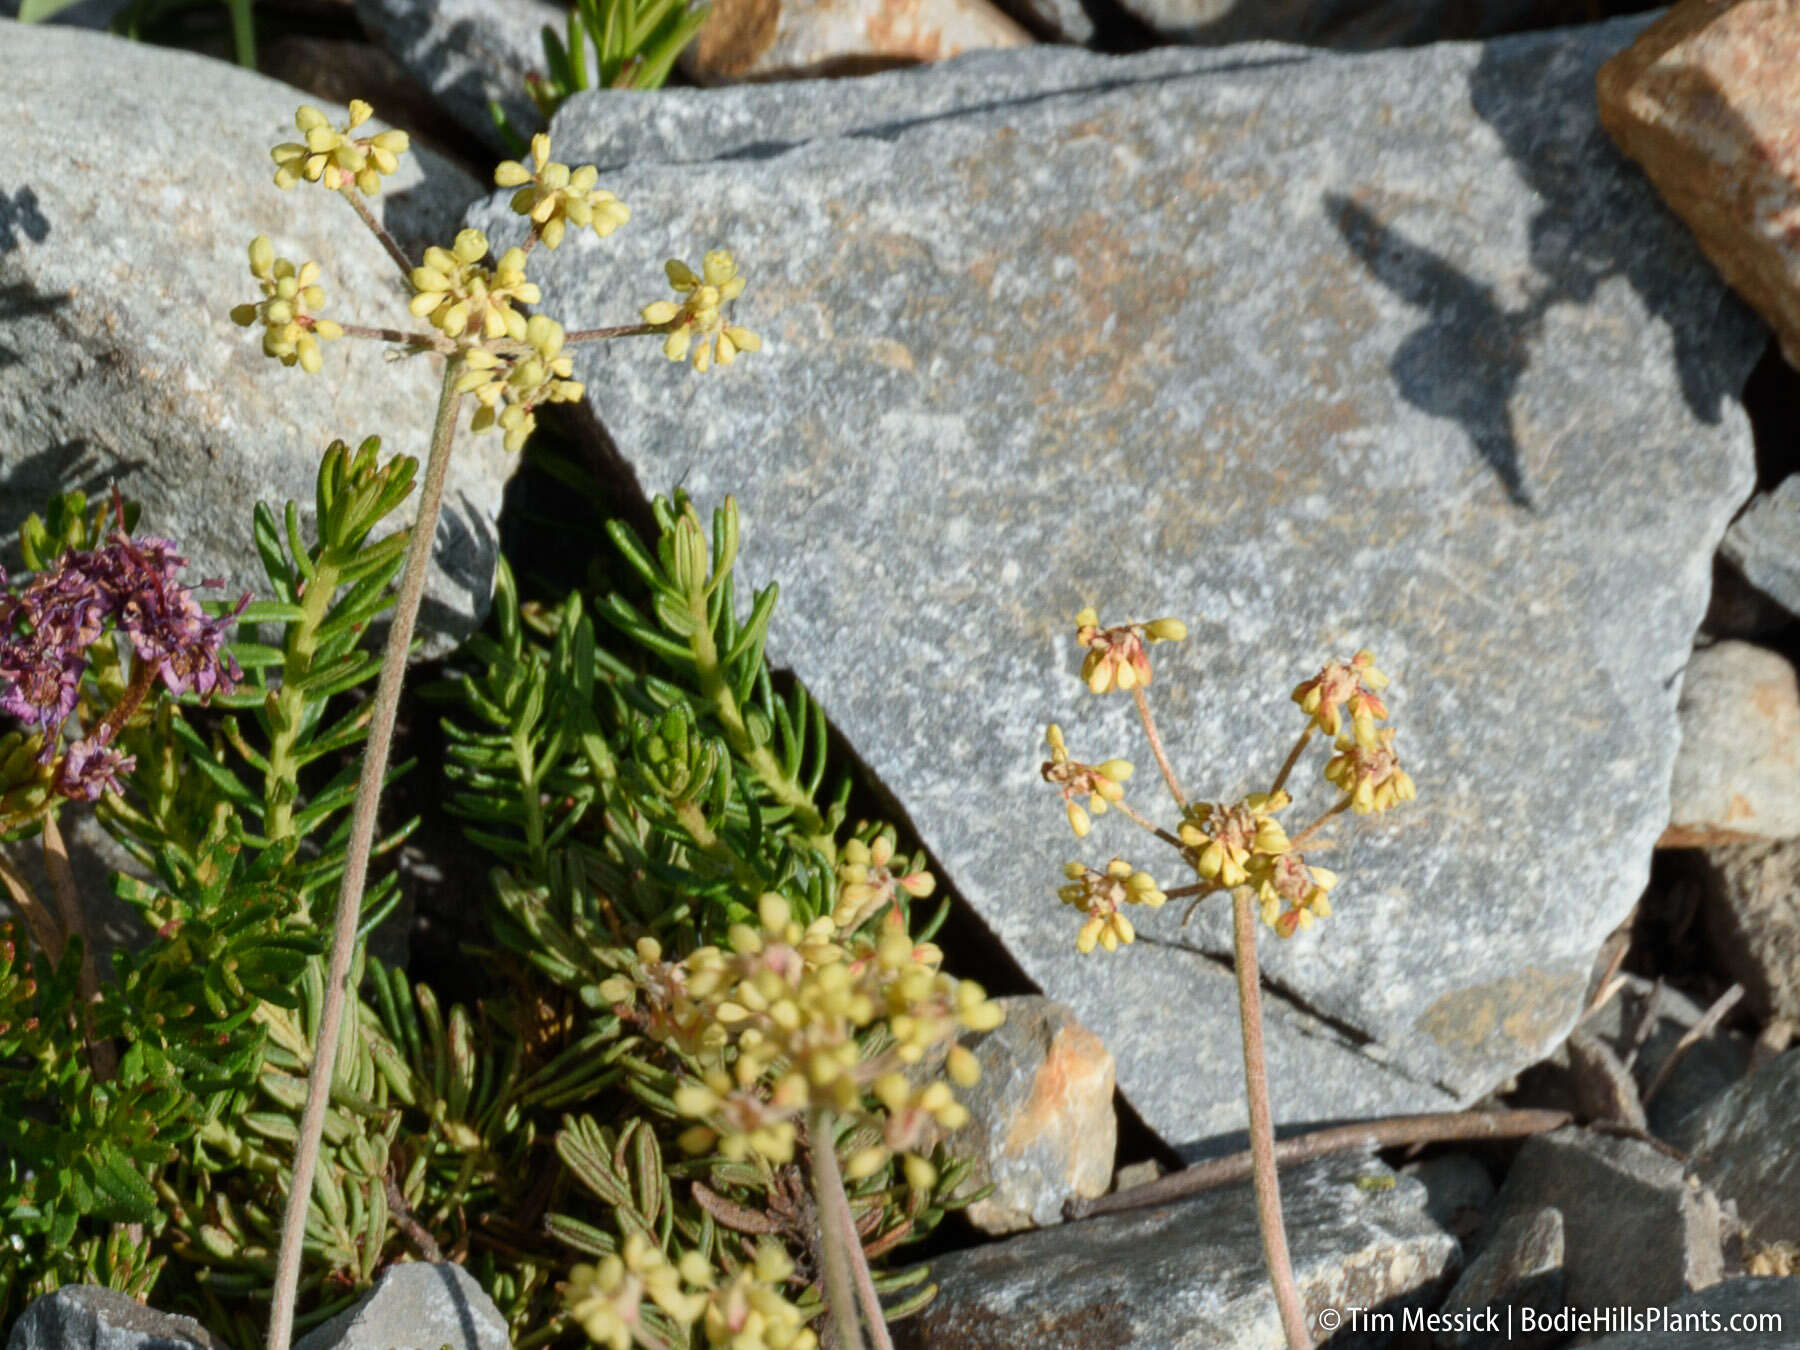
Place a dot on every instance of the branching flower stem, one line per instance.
(376, 228)
(1262, 1132)
(356, 867)
(1156, 747)
(1144, 822)
(1287, 766)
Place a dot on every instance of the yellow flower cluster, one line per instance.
(510, 388)
(457, 292)
(1290, 894)
(290, 333)
(336, 158)
(867, 880)
(774, 1019)
(1103, 897)
(1115, 656)
(555, 196)
(1356, 683)
(1225, 842)
(1101, 784)
(701, 314)
(749, 1312)
(1367, 767)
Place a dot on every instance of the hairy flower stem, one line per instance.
(1262, 1131)
(1287, 766)
(1156, 747)
(376, 228)
(1144, 822)
(619, 331)
(837, 1238)
(1300, 840)
(356, 864)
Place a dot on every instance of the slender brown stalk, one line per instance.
(834, 1242)
(621, 331)
(1287, 765)
(74, 924)
(1262, 1130)
(844, 1227)
(1139, 819)
(400, 337)
(44, 932)
(1695, 1034)
(1156, 747)
(376, 228)
(356, 865)
(1299, 841)
(1393, 1132)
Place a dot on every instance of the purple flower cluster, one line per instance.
(47, 626)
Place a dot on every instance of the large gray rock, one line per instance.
(1636, 1229)
(471, 53)
(416, 1306)
(1739, 766)
(92, 1318)
(1713, 1319)
(1190, 1276)
(135, 178)
(1387, 351)
(1764, 543)
(1744, 1147)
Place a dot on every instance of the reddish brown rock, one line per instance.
(1708, 101)
(793, 39)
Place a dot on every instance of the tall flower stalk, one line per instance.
(510, 364)
(1240, 848)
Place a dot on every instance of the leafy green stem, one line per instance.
(356, 865)
(281, 782)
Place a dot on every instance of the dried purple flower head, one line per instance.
(47, 626)
(90, 768)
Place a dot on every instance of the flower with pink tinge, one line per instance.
(1367, 769)
(1290, 894)
(1223, 841)
(1116, 658)
(1099, 783)
(1355, 683)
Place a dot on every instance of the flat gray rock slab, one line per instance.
(416, 1306)
(1190, 1276)
(471, 53)
(1315, 353)
(132, 179)
(88, 1317)
(1358, 25)
(1764, 543)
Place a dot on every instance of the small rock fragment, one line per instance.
(1041, 1127)
(92, 1318)
(796, 39)
(1636, 1229)
(1605, 1091)
(1744, 1146)
(1764, 543)
(1739, 764)
(1752, 916)
(1520, 1268)
(416, 1306)
(1706, 100)
(1458, 1190)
